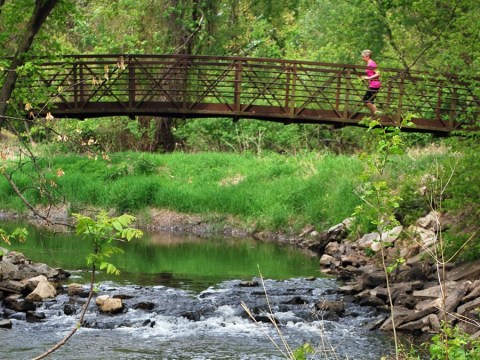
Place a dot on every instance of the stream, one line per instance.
(183, 299)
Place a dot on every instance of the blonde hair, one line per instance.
(367, 53)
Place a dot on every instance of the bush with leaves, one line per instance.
(452, 343)
(102, 230)
(379, 198)
(18, 234)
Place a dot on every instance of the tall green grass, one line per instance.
(268, 192)
(272, 191)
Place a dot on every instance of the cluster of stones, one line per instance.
(422, 291)
(24, 285)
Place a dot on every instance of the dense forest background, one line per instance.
(435, 35)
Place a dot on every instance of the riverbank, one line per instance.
(424, 291)
(421, 293)
(271, 193)
(406, 274)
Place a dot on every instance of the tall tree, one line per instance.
(185, 24)
(41, 10)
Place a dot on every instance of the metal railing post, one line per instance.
(453, 108)
(81, 83)
(337, 93)
(348, 86)
(401, 92)
(388, 99)
(293, 90)
(75, 85)
(439, 103)
(132, 85)
(184, 81)
(237, 93)
(287, 90)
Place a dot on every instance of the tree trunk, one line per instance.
(1, 4)
(183, 41)
(43, 8)
(163, 135)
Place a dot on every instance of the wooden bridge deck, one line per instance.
(275, 90)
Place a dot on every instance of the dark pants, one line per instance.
(370, 95)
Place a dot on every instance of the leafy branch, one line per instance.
(379, 199)
(102, 231)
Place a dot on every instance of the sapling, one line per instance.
(103, 231)
(379, 199)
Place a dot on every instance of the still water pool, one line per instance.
(180, 261)
(194, 287)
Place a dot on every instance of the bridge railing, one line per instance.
(276, 90)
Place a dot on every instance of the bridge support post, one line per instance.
(132, 85)
(81, 83)
(290, 87)
(439, 104)
(237, 92)
(453, 107)
(75, 85)
(348, 86)
(401, 92)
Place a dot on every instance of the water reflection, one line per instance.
(174, 260)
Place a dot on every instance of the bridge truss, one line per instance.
(276, 90)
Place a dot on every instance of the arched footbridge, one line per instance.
(184, 86)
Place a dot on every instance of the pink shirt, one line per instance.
(371, 69)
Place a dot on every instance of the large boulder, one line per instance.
(16, 266)
(43, 290)
(109, 305)
(75, 289)
(5, 324)
(432, 221)
(374, 240)
(318, 242)
(17, 304)
(7, 269)
(467, 271)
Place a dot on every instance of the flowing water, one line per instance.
(183, 297)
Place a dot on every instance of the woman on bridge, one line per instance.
(373, 77)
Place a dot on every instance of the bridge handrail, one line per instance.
(114, 58)
(273, 89)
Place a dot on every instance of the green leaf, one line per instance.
(301, 352)
(117, 225)
(102, 231)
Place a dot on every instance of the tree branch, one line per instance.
(78, 325)
(42, 9)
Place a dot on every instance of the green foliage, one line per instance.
(395, 265)
(122, 134)
(302, 352)
(248, 135)
(92, 136)
(379, 199)
(103, 231)
(452, 343)
(461, 198)
(18, 234)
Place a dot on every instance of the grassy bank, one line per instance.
(273, 191)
